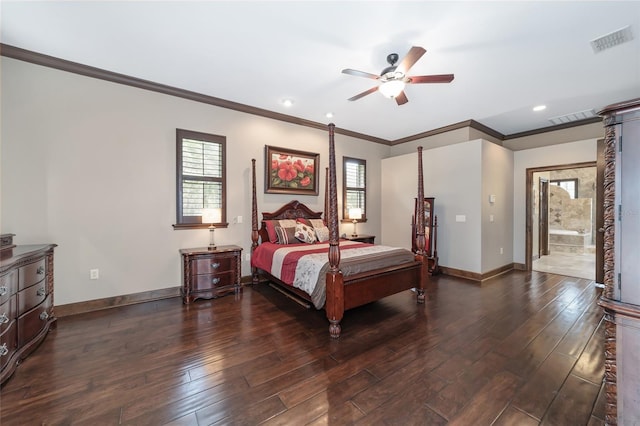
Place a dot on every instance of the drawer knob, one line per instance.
(215, 280)
(3, 349)
(215, 265)
(44, 316)
(41, 291)
(3, 290)
(4, 319)
(40, 270)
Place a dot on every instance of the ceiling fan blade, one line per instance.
(401, 99)
(440, 78)
(360, 73)
(363, 94)
(411, 58)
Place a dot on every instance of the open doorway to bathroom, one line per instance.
(561, 219)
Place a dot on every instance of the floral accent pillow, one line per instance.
(286, 235)
(322, 231)
(305, 233)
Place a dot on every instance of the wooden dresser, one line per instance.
(26, 302)
(209, 273)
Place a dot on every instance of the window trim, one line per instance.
(205, 137)
(345, 212)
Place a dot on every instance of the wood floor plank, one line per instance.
(573, 404)
(514, 417)
(490, 401)
(496, 352)
(536, 395)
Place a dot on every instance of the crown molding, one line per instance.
(93, 72)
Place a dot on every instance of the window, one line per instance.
(354, 190)
(200, 175)
(569, 185)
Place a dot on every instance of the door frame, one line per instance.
(528, 261)
(543, 217)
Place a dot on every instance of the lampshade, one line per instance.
(391, 88)
(211, 215)
(355, 213)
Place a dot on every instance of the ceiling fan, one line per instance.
(394, 77)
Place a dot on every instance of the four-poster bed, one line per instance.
(356, 280)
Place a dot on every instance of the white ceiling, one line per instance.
(506, 56)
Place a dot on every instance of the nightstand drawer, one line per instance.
(214, 264)
(212, 281)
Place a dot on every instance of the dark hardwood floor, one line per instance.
(522, 349)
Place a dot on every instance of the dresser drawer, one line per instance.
(214, 264)
(32, 323)
(31, 274)
(8, 313)
(8, 285)
(31, 296)
(212, 281)
(8, 344)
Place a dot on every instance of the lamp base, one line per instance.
(212, 247)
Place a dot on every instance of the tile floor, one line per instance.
(571, 264)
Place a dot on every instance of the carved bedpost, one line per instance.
(420, 239)
(334, 279)
(326, 194)
(254, 220)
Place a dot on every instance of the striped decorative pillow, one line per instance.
(286, 235)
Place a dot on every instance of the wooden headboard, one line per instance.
(292, 210)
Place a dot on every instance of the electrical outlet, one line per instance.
(247, 256)
(94, 274)
(239, 219)
(501, 250)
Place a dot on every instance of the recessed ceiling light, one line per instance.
(287, 102)
(539, 108)
(329, 115)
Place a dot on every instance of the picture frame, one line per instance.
(290, 171)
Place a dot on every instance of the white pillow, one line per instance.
(322, 232)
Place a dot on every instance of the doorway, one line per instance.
(561, 219)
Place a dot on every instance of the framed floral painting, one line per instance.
(289, 171)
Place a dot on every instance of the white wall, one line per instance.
(497, 180)
(453, 175)
(90, 165)
(566, 153)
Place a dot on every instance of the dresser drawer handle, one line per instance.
(4, 319)
(44, 316)
(40, 270)
(215, 265)
(3, 290)
(215, 280)
(3, 349)
(41, 292)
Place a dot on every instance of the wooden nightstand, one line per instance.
(362, 238)
(210, 273)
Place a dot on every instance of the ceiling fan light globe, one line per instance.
(392, 88)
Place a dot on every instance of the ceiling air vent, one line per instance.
(574, 116)
(615, 38)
